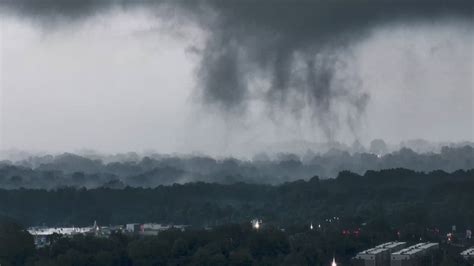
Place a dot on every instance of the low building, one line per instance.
(41, 235)
(155, 227)
(59, 230)
(416, 255)
(468, 254)
(132, 228)
(377, 256)
(106, 231)
(151, 229)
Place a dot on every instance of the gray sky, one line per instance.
(128, 79)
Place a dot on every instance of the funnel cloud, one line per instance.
(289, 58)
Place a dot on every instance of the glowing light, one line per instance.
(256, 224)
(333, 262)
(311, 226)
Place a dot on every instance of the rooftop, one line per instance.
(381, 248)
(468, 252)
(415, 248)
(392, 244)
(59, 230)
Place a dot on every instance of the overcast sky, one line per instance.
(131, 79)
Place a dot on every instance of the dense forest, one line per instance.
(398, 197)
(232, 244)
(70, 170)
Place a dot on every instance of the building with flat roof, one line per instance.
(468, 254)
(45, 231)
(416, 255)
(41, 234)
(132, 228)
(377, 256)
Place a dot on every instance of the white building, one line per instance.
(44, 231)
(132, 228)
(41, 234)
(468, 254)
(413, 255)
(379, 255)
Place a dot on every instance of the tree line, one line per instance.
(70, 170)
(398, 196)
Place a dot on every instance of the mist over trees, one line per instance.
(399, 197)
(120, 171)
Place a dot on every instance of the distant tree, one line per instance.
(149, 251)
(180, 248)
(72, 257)
(240, 258)
(378, 146)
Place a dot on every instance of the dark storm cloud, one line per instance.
(52, 9)
(252, 39)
